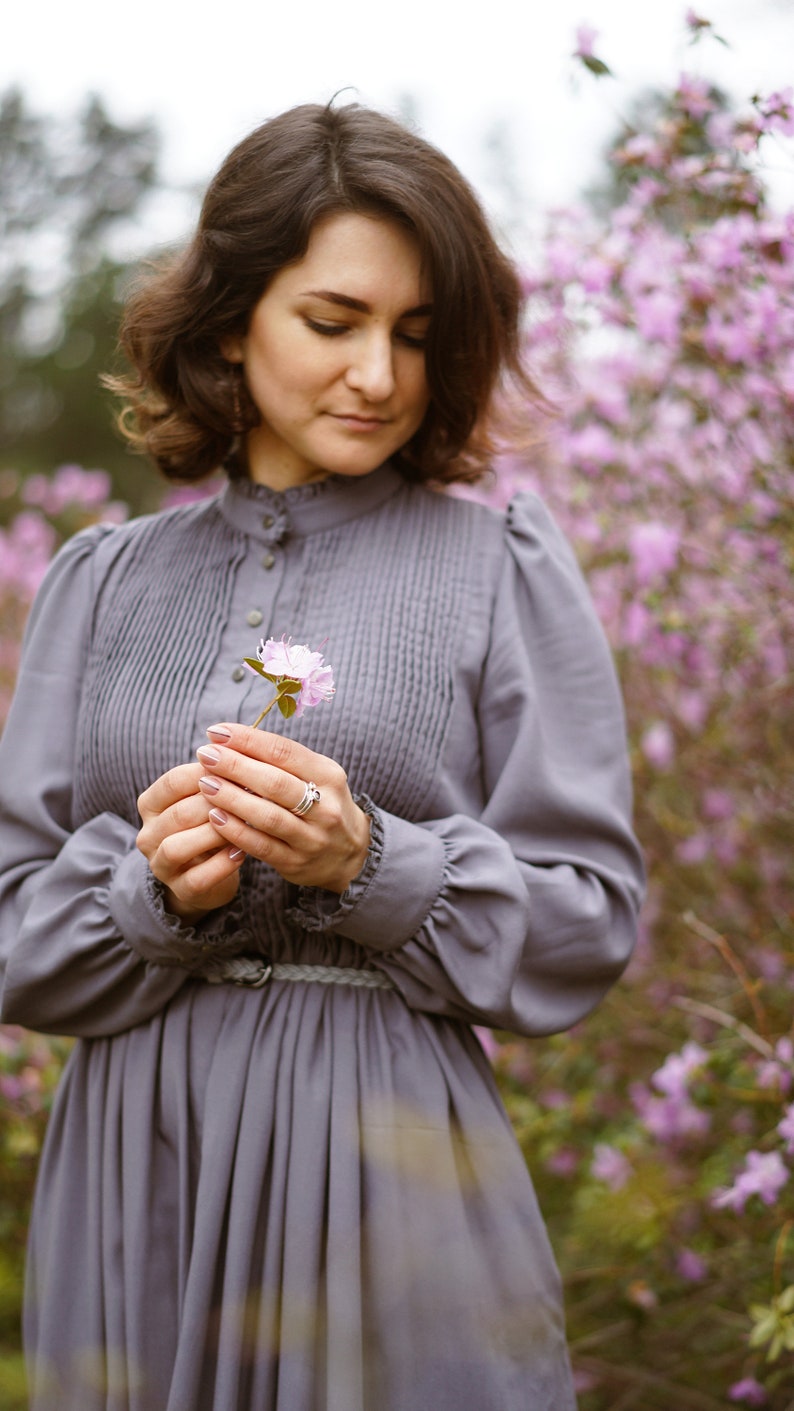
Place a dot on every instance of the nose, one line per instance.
(371, 367)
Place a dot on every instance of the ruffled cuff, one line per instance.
(387, 903)
(137, 904)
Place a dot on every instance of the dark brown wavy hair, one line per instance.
(186, 405)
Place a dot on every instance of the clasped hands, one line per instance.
(200, 821)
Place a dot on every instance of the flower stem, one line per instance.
(261, 717)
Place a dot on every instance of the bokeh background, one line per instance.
(639, 162)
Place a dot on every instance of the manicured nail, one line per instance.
(235, 854)
(209, 786)
(218, 817)
(207, 755)
(219, 733)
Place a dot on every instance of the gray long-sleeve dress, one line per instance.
(307, 1197)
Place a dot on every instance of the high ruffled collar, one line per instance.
(269, 515)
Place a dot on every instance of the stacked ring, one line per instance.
(311, 795)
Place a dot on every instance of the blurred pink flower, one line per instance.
(610, 1166)
(586, 37)
(690, 1266)
(749, 1391)
(658, 745)
(654, 550)
(786, 1129)
(669, 1119)
(674, 1075)
(764, 1174)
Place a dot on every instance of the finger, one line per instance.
(262, 814)
(277, 750)
(267, 847)
(179, 851)
(263, 780)
(177, 783)
(183, 815)
(209, 883)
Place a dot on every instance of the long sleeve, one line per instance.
(520, 917)
(86, 946)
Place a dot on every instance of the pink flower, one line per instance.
(749, 1391)
(654, 550)
(658, 745)
(586, 37)
(610, 1166)
(690, 1266)
(764, 1175)
(672, 1078)
(786, 1130)
(301, 676)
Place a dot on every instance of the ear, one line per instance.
(232, 349)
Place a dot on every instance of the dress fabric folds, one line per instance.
(307, 1197)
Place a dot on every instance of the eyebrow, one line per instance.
(348, 302)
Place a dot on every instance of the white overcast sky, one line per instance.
(209, 72)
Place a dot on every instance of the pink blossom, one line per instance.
(669, 1118)
(282, 661)
(718, 804)
(654, 550)
(690, 1266)
(764, 1175)
(749, 1391)
(610, 1166)
(786, 1129)
(586, 37)
(563, 1161)
(674, 1075)
(658, 745)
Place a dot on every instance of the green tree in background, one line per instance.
(69, 192)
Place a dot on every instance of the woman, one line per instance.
(302, 1192)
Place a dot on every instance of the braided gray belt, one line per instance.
(256, 973)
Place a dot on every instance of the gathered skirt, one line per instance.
(302, 1198)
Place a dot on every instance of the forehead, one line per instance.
(374, 260)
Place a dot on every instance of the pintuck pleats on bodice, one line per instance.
(307, 1197)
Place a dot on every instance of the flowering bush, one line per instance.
(660, 1133)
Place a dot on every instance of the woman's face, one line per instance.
(334, 354)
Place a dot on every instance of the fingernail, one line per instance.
(208, 756)
(219, 817)
(219, 733)
(209, 786)
(235, 853)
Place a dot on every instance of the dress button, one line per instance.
(268, 521)
(254, 617)
(268, 560)
(238, 674)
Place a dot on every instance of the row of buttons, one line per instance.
(255, 618)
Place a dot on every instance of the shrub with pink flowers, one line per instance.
(660, 1132)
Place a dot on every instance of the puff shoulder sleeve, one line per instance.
(522, 916)
(86, 945)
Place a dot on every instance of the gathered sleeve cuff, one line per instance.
(374, 910)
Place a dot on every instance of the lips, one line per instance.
(355, 422)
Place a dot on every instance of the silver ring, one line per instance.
(311, 795)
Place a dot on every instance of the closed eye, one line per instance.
(334, 330)
(328, 330)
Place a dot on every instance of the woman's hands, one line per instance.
(252, 780)
(201, 820)
(183, 849)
